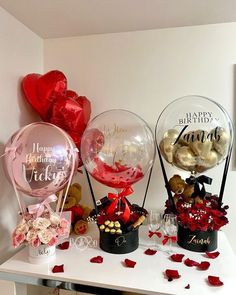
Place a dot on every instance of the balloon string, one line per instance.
(170, 197)
(148, 183)
(59, 201)
(70, 178)
(91, 191)
(227, 161)
(20, 202)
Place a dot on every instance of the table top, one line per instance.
(146, 278)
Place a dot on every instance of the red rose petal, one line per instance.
(213, 255)
(177, 257)
(204, 265)
(150, 252)
(215, 281)
(129, 263)
(58, 268)
(97, 259)
(64, 246)
(172, 274)
(190, 262)
(187, 287)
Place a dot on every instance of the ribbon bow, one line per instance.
(157, 233)
(39, 208)
(120, 197)
(197, 181)
(173, 239)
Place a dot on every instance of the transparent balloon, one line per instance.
(40, 158)
(117, 148)
(194, 133)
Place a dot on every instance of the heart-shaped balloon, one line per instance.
(40, 90)
(71, 113)
(49, 97)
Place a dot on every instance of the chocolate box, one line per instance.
(197, 241)
(119, 243)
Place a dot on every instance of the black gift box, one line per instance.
(119, 243)
(197, 241)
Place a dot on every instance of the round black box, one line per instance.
(119, 243)
(197, 241)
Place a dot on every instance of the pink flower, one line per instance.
(61, 231)
(18, 238)
(53, 241)
(64, 223)
(35, 242)
(45, 236)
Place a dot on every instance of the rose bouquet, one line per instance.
(198, 213)
(45, 229)
(203, 215)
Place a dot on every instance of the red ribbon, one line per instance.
(120, 197)
(157, 233)
(167, 238)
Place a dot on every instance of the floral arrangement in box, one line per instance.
(196, 211)
(45, 229)
(202, 216)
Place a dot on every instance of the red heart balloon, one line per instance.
(71, 114)
(40, 90)
(49, 96)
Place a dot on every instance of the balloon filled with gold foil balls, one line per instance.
(194, 133)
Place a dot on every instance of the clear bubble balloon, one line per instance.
(40, 158)
(117, 148)
(194, 133)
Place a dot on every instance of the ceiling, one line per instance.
(65, 18)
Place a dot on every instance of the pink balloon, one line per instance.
(40, 159)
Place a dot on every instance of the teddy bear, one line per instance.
(79, 213)
(181, 189)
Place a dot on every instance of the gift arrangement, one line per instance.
(195, 134)
(117, 150)
(40, 161)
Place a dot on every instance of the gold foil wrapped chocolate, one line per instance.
(168, 146)
(195, 150)
(201, 145)
(221, 143)
(184, 158)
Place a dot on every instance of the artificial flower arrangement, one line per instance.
(196, 211)
(202, 216)
(45, 229)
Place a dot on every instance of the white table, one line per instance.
(146, 278)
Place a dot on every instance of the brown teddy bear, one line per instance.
(79, 213)
(180, 188)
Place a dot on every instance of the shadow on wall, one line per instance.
(9, 207)
(233, 161)
(8, 212)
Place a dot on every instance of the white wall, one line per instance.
(21, 52)
(143, 71)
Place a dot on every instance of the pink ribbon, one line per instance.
(167, 238)
(40, 207)
(157, 233)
